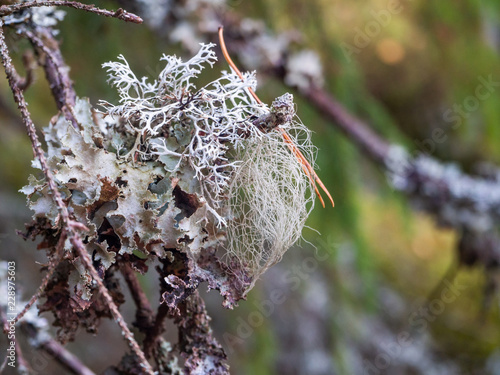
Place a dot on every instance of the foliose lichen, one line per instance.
(174, 166)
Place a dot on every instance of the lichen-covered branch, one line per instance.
(68, 225)
(201, 350)
(457, 199)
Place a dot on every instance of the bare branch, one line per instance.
(154, 334)
(24, 82)
(151, 326)
(66, 358)
(144, 315)
(119, 13)
(354, 128)
(55, 350)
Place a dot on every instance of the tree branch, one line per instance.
(457, 199)
(361, 134)
(150, 325)
(120, 14)
(61, 355)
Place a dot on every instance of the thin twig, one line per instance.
(151, 326)
(68, 225)
(144, 316)
(154, 334)
(66, 358)
(358, 131)
(25, 82)
(144, 309)
(60, 354)
(120, 14)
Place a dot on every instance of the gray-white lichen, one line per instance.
(172, 119)
(457, 199)
(176, 166)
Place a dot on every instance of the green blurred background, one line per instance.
(377, 262)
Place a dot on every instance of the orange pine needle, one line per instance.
(232, 64)
(312, 183)
(306, 166)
